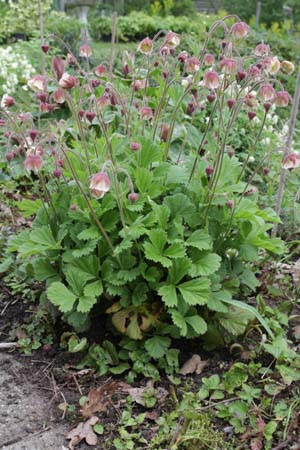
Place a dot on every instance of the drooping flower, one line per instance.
(146, 113)
(250, 100)
(239, 30)
(37, 83)
(100, 70)
(133, 197)
(45, 48)
(272, 65)
(59, 96)
(211, 80)
(282, 98)
(145, 46)
(135, 146)
(85, 51)
(58, 66)
(266, 92)
(33, 163)
(192, 65)
(209, 59)
(99, 184)
(172, 40)
(262, 50)
(7, 101)
(183, 56)
(138, 85)
(164, 132)
(291, 161)
(228, 65)
(287, 67)
(103, 101)
(67, 81)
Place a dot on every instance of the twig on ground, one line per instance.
(8, 345)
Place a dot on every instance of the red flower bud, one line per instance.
(133, 197)
(90, 115)
(164, 132)
(10, 156)
(230, 103)
(241, 75)
(209, 170)
(135, 146)
(251, 115)
(211, 97)
(33, 134)
(45, 48)
(267, 106)
(57, 173)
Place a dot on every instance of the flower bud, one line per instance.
(99, 184)
(37, 83)
(59, 96)
(90, 115)
(230, 204)
(81, 113)
(103, 101)
(267, 106)
(7, 101)
(183, 56)
(287, 67)
(146, 113)
(135, 146)
(266, 92)
(45, 48)
(239, 30)
(60, 163)
(164, 51)
(209, 59)
(282, 98)
(70, 60)
(228, 65)
(262, 50)
(57, 173)
(172, 40)
(10, 156)
(266, 170)
(33, 163)
(95, 83)
(33, 134)
(58, 66)
(67, 81)
(230, 152)
(251, 115)
(211, 97)
(192, 65)
(42, 96)
(209, 170)
(138, 85)
(241, 75)
(254, 72)
(250, 100)
(164, 132)
(85, 51)
(145, 46)
(230, 103)
(211, 80)
(100, 70)
(291, 161)
(133, 197)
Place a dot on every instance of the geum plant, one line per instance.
(144, 213)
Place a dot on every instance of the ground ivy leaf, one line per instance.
(61, 296)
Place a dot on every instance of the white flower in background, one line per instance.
(15, 70)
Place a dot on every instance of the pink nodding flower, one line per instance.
(164, 132)
(85, 51)
(209, 59)
(58, 66)
(37, 83)
(287, 67)
(138, 85)
(100, 70)
(33, 163)
(211, 80)
(192, 65)
(183, 56)
(172, 40)
(135, 146)
(59, 96)
(70, 60)
(99, 184)
(266, 92)
(145, 46)
(103, 101)
(282, 98)
(291, 161)
(250, 100)
(133, 197)
(239, 30)
(7, 101)
(67, 81)
(146, 113)
(262, 50)
(228, 65)
(272, 65)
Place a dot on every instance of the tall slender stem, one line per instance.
(41, 25)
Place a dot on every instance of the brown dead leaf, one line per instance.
(99, 398)
(193, 365)
(83, 431)
(141, 395)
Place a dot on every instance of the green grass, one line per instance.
(101, 50)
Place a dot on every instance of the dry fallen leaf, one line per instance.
(83, 431)
(99, 399)
(193, 365)
(141, 395)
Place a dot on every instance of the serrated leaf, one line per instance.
(88, 234)
(168, 294)
(205, 265)
(176, 250)
(94, 289)
(29, 207)
(85, 304)
(179, 269)
(180, 206)
(61, 296)
(77, 280)
(235, 321)
(157, 346)
(197, 323)
(195, 292)
(179, 321)
(43, 270)
(87, 249)
(153, 254)
(43, 236)
(215, 301)
(200, 240)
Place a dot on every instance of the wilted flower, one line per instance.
(67, 81)
(145, 46)
(266, 92)
(10, 156)
(230, 204)
(135, 146)
(287, 67)
(85, 51)
(37, 83)
(282, 98)
(146, 113)
(262, 50)
(272, 65)
(33, 163)
(7, 101)
(172, 40)
(192, 65)
(99, 184)
(228, 65)
(59, 96)
(209, 59)
(133, 197)
(211, 80)
(58, 66)
(291, 161)
(239, 30)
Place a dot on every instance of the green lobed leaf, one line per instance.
(157, 346)
(61, 296)
(200, 240)
(168, 294)
(195, 292)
